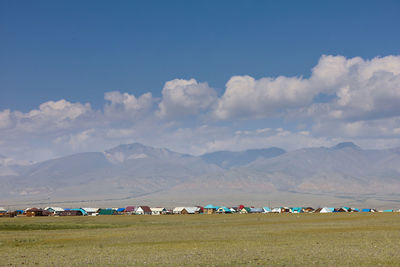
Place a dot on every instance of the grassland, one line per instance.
(356, 239)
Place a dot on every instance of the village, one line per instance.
(146, 210)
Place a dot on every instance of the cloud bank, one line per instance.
(360, 102)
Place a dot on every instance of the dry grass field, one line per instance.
(340, 239)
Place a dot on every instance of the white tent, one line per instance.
(326, 210)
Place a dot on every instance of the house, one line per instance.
(191, 210)
(342, 209)
(308, 210)
(224, 210)
(327, 210)
(245, 210)
(32, 212)
(54, 210)
(158, 211)
(210, 209)
(366, 210)
(121, 210)
(276, 210)
(91, 211)
(256, 210)
(266, 210)
(72, 212)
(143, 210)
(297, 210)
(107, 212)
(234, 209)
(130, 209)
(388, 211)
(186, 210)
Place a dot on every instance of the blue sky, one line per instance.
(78, 52)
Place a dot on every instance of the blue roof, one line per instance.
(82, 210)
(225, 209)
(210, 206)
(298, 209)
(366, 210)
(120, 209)
(388, 211)
(266, 209)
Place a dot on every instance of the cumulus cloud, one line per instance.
(182, 98)
(246, 97)
(124, 105)
(365, 89)
(362, 105)
(362, 89)
(51, 115)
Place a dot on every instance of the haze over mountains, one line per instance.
(133, 173)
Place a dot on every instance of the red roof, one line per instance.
(146, 208)
(130, 209)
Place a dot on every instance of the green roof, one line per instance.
(107, 212)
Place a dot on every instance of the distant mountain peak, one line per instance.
(346, 145)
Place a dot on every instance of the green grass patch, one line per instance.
(203, 240)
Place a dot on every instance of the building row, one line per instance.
(146, 210)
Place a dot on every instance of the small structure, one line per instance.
(342, 209)
(224, 210)
(266, 210)
(210, 209)
(32, 212)
(107, 212)
(278, 210)
(158, 211)
(245, 210)
(186, 210)
(130, 210)
(143, 210)
(72, 212)
(54, 210)
(121, 210)
(2, 210)
(91, 211)
(297, 210)
(309, 209)
(326, 210)
(256, 210)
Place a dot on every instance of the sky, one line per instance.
(197, 77)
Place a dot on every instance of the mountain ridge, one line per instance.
(135, 172)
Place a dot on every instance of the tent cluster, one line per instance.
(146, 210)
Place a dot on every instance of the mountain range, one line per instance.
(135, 173)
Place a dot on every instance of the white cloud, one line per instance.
(182, 98)
(127, 106)
(51, 115)
(5, 119)
(246, 97)
(363, 88)
(363, 106)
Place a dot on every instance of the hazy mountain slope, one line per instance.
(228, 159)
(342, 169)
(137, 172)
(126, 170)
